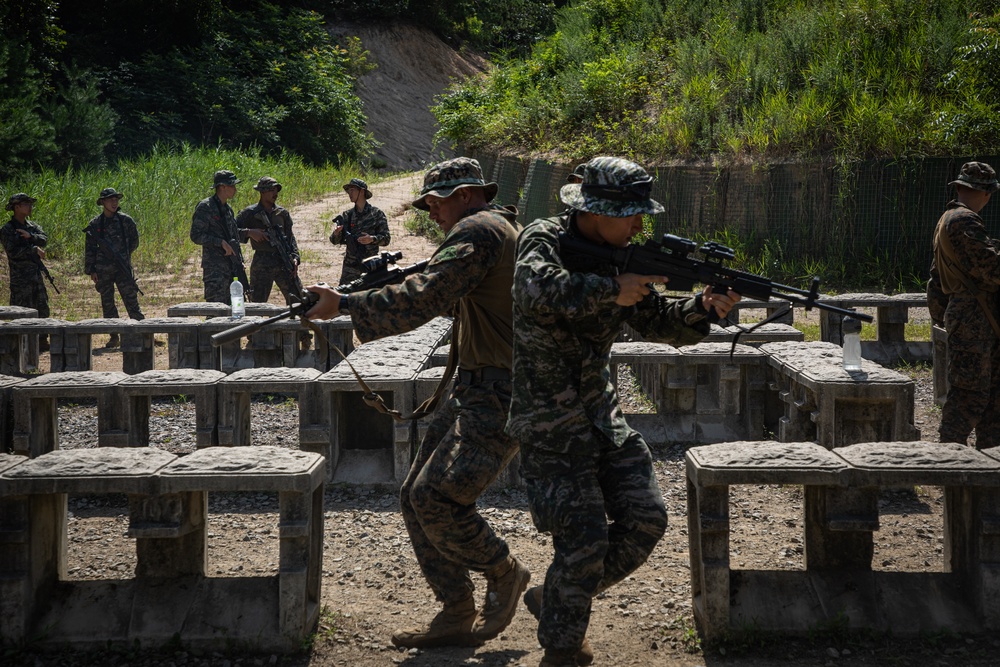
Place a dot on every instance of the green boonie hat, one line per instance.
(360, 185)
(612, 186)
(225, 177)
(978, 176)
(108, 193)
(446, 177)
(18, 198)
(266, 184)
(576, 176)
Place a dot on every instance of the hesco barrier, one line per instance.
(881, 210)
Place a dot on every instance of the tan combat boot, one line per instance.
(533, 601)
(451, 627)
(504, 585)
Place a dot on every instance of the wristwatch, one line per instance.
(343, 304)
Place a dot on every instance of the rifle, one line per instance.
(678, 259)
(39, 264)
(240, 271)
(379, 274)
(276, 237)
(109, 251)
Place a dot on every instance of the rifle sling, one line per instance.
(948, 253)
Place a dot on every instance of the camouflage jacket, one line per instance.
(974, 255)
(119, 232)
(472, 268)
(257, 217)
(21, 253)
(565, 320)
(369, 221)
(212, 223)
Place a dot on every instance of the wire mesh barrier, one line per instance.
(877, 216)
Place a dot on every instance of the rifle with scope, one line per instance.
(686, 265)
(381, 270)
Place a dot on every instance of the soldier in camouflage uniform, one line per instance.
(962, 293)
(465, 448)
(23, 241)
(589, 476)
(363, 228)
(213, 227)
(119, 236)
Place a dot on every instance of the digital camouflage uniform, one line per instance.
(267, 268)
(120, 235)
(973, 400)
(369, 221)
(27, 287)
(212, 223)
(589, 476)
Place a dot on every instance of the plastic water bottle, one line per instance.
(236, 299)
(851, 328)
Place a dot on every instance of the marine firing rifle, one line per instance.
(687, 265)
(112, 253)
(382, 270)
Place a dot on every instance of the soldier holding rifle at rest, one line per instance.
(363, 228)
(590, 478)
(111, 238)
(23, 241)
(213, 227)
(465, 448)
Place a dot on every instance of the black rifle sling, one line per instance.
(949, 254)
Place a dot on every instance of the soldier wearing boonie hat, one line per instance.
(576, 176)
(465, 447)
(962, 297)
(110, 236)
(213, 227)
(363, 228)
(584, 467)
(23, 241)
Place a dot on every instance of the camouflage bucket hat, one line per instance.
(266, 184)
(225, 177)
(576, 176)
(446, 177)
(360, 185)
(108, 193)
(17, 199)
(978, 176)
(612, 186)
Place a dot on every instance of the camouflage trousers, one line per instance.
(267, 272)
(464, 450)
(28, 291)
(605, 513)
(973, 400)
(108, 277)
(218, 277)
(352, 269)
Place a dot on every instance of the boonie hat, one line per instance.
(108, 193)
(360, 185)
(612, 186)
(576, 176)
(446, 177)
(225, 177)
(266, 183)
(17, 199)
(978, 176)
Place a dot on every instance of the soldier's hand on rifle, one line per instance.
(41, 253)
(257, 234)
(633, 287)
(336, 233)
(365, 239)
(25, 234)
(328, 305)
(227, 249)
(722, 303)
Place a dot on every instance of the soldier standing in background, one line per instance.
(363, 228)
(589, 476)
(213, 227)
(112, 237)
(962, 294)
(23, 241)
(465, 448)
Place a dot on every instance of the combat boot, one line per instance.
(504, 585)
(113, 341)
(533, 601)
(558, 658)
(451, 627)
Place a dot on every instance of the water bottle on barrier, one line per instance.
(236, 299)
(851, 328)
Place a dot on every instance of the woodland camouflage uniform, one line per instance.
(119, 234)
(267, 267)
(589, 476)
(27, 287)
(465, 447)
(212, 223)
(973, 400)
(369, 220)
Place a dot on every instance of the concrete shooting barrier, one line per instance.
(137, 392)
